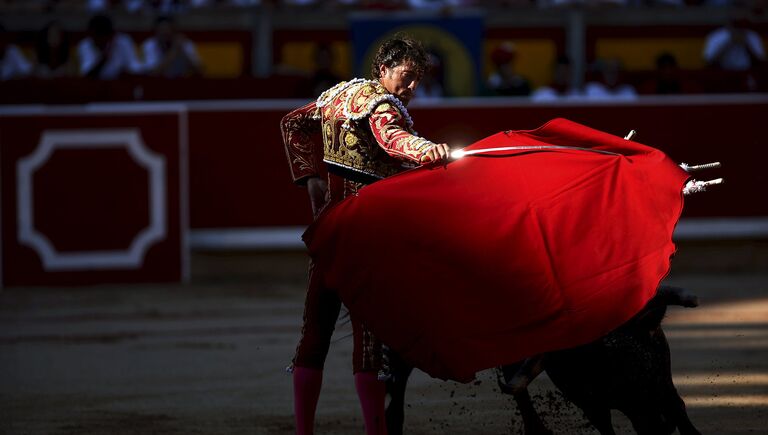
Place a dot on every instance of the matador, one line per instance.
(367, 135)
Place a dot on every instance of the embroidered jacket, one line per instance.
(367, 134)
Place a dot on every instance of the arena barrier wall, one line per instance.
(240, 191)
(243, 157)
(94, 194)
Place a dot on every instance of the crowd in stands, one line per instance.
(175, 6)
(605, 83)
(103, 54)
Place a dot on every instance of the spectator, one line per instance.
(168, 53)
(97, 5)
(719, 3)
(609, 85)
(439, 4)
(132, 5)
(662, 3)
(431, 85)
(580, 3)
(106, 54)
(323, 78)
(734, 47)
(135, 5)
(52, 52)
(199, 3)
(155, 6)
(667, 75)
(245, 2)
(13, 64)
(379, 5)
(561, 87)
(504, 80)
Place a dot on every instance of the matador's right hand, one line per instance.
(318, 194)
(436, 153)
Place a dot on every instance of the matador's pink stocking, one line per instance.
(306, 392)
(371, 392)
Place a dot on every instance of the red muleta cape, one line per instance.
(493, 258)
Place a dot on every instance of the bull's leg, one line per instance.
(532, 423)
(600, 419)
(399, 372)
(649, 423)
(673, 405)
(674, 410)
(518, 376)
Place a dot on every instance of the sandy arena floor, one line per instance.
(209, 357)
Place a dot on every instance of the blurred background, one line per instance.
(173, 106)
(151, 262)
(485, 48)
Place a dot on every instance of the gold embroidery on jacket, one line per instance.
(346, 111)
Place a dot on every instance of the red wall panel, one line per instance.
(240, 177)
(104, 204)
(239, 171)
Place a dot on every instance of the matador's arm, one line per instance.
(304, 153)
(389, 128)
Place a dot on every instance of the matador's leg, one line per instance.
(321, 310)
(366, 362)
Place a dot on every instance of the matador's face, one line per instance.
(401, 80)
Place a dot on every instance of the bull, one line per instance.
(629, 370)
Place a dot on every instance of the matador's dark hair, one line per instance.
(397, 50)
